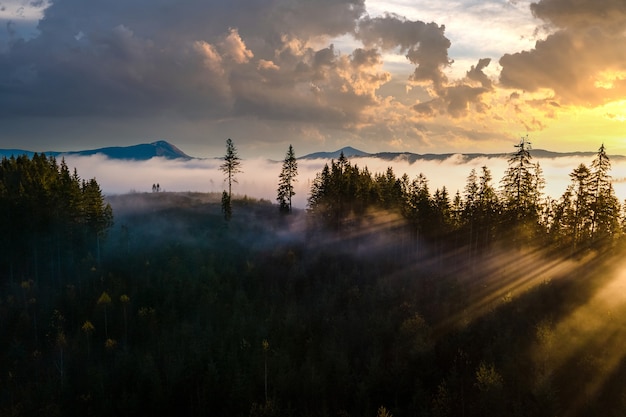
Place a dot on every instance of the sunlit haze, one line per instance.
(260, 176)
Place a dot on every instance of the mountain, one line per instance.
(410, 157)
(142, 152)
(164, 149)
(348, 152)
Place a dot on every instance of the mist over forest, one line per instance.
(259, 176)
(379, 294)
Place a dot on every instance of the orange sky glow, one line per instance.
(387, 75)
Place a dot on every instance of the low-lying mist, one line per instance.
(259, 178)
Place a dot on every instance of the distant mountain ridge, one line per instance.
(141, 152)
(350, 152)
(164, 149)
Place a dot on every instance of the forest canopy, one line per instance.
(381, 299)
(588, 215)
(48, 216)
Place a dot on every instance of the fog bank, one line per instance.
(259, 178)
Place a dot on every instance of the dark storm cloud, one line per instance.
(458, 98)
(138, 64)
(135, 58)
(424, 44)
(568, 13)
(582, 61)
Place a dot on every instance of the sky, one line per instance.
(424, 76)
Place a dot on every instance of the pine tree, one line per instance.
(49, 217)
(579, 214)
(231, 165)
(521, 192)
(418, 206)
(286, 179)
(98, 216)
(487, 208)
(518, 181)
(227, 208)
(605, 205)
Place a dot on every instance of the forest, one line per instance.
(381, 298)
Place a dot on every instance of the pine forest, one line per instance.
(381, 298)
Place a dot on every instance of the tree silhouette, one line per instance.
(231, 165)
(286, 179)
(605, 205)
(227, 208)
(521, 192)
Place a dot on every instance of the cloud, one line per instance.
(581, 14)
(119, 71)
(138, 58)
(234, 47)
(424, 44)
(458, 98)
(582, 62)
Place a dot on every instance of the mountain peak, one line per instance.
(142, 152)
(348, 152)
(167, 150)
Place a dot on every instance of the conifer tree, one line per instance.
(487, 208)
(518, 182)
(521, 191)
(230, 167)
(286, 179)
(579, 213)
(227, 208)
(605, 205)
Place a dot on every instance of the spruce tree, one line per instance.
(521, 193)
(286, 179)
(230, 167)
(605, 205)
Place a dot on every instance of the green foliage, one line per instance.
(49, 218)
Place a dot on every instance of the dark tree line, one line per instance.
(50, 218)
(587, 215)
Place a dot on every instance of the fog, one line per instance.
(259, 178)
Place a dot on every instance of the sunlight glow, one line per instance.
(608, 79)
(596, 331)
(503, 275)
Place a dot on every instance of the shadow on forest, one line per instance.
(551, 323)
(275, 315)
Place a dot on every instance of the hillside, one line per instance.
(271, 315)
